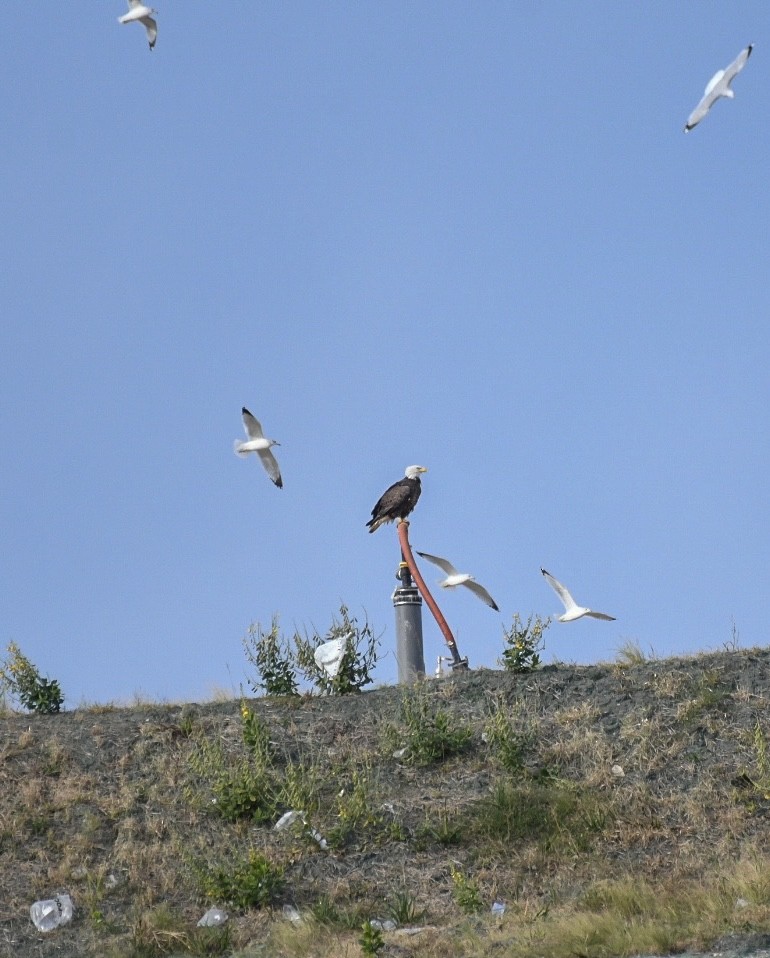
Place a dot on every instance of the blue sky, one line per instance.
(471, 236)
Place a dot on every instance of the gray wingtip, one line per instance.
(543, 571)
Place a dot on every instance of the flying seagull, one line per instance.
(455, 578)
(139, 11)
(718, 86)
(257, 443)
(399, 499)
(573, 610)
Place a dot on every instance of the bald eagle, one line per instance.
(399, 500)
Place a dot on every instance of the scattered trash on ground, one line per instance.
(51, 912)
(213, 918)
(297, 815)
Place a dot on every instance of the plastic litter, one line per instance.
(213, 918)
(296, 815)
(617, 771)
(498, 908)
(291, 914)
(288, 818)
(387, 925)
(329, 656)
(51, 912)
(319, 838)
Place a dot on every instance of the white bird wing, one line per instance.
(482, 593)
(271, 466)
(601, 615)
(251, 425)
(152, 30)
(441, 563)
(701, 109)
(737, 65)
(559, 589)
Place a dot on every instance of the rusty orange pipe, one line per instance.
(406, 552)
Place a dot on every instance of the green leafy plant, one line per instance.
(441, 828)
(371, 940)
(507, 744)
(256, 736)
(247, 787)
(270, 654)
(524, 642)
(354, 806)
(325, 911)
(465, 892)
(250, 881)
(403, 908)
(358, 659)
(428, 732)
(23, 680)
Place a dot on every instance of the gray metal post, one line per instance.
(408, 606)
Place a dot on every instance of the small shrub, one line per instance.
(443, 830)
(429, 733)
(270, 654)
(22, 679)
(507, 744)
(256, 736)
(247, 882)
(354, 804)
(325, 911)
(241, 789)
(466, 892)
(403, 909)
(358, 660)
(524, 642)
(371, 940)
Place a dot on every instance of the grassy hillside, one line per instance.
(613, 809)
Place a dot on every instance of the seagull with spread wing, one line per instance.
(140, 12)
(718, 86)
(455, 578)
(257, 442)
(572, 609)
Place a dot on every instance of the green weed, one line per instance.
(524, 642)
(358, 659)
(250, 881)
(428, 733)
(20, 678)
(271, 655)
(465, 892)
